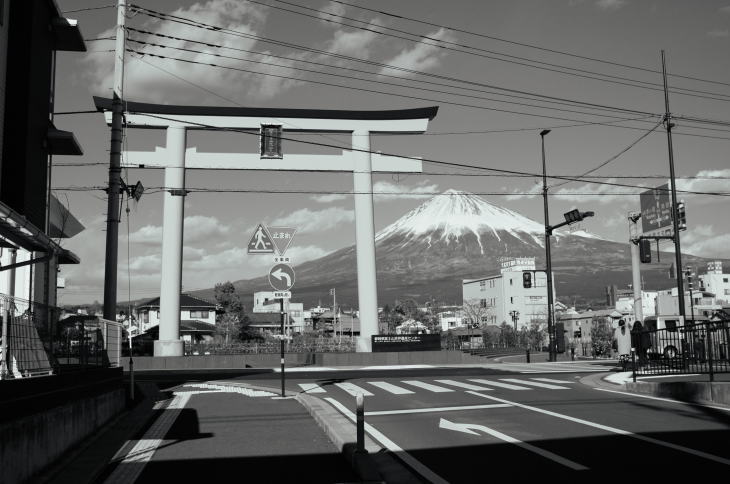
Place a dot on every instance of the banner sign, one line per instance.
(406, 342)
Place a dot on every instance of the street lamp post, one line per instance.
(515, 316)
(548, 262)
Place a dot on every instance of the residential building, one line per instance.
(192, 309)
(716, 282)
(625, 304)
(577, 327)
(452, 318)
(701, 303)
(503, 293)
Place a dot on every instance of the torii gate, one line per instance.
(176, 157)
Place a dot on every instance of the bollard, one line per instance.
(527, 351)
(360, 401)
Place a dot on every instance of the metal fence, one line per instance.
(702, 347)
(34, 343)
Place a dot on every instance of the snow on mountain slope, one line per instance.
(454, 214)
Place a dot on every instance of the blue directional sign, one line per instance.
(281, 277)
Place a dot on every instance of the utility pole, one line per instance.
(115, 170)
(675, 223)
(636, 266)
(548, 261)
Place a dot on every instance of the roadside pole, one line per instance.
(281, 309)
(635, 267)
(115, 170)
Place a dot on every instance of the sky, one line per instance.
(463, 56)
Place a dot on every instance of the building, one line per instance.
(296, 318)
(701, 303)
(192, 309)
(716, 282)
(503, 293)
(31, 34)
(451, 318)
(577, 327)
(625, 304)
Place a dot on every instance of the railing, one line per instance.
(34, 343)
(325, 345)
(702, 347)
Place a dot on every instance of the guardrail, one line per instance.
(702, 347)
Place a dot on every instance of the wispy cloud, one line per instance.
(704, 241)
(424, 56)
(611, 4)
(725, 9)
(328, 198)
(310, 221)
(719, 33)
(386, 191)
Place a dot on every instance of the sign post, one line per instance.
(281, 310)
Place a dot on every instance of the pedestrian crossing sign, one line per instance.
(261, 241)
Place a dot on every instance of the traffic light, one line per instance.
(645, 250)
(573, 216)
(559, 338)
(681, 216)
(526, 279)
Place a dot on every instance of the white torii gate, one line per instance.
(176, 157)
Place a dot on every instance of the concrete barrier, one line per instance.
(272, 360)
(695, 392)
(33, 442)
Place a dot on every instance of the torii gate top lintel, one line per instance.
(165, 115)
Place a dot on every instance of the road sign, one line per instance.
(261, 242)
(656, 211)
(282, 237)
(282, 295)
(281, 277)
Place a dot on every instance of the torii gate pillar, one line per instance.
(169, 342)
(367, 288)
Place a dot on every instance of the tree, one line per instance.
(601, 336)
(507, 335)
(476, 312)
(230, 317)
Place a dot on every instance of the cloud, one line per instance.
(719, 34)
(330, 197)
(386, 191)
(353, 43)
(603, 194)
(725, 9)
(519, 194)
(425, 55)
(310, 221)
(197, 228)
(335, 10)
(611, 4)
(705, 181)
(703, 241)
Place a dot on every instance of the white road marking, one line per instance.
(389, 387)
(411, 461)
(468, 386)
(535, 384)
(437, 409)
(508, 386)
(353, 390)
(638, 395)
(614, 430)
(427, 386)
(469, 428)
(249, 392)
(312, 388)
(665, 376)
(395, 367)
(550, 380)
(132, 463)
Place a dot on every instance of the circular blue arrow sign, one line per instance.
(281, 277)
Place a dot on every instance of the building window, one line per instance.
(510, 282)
(199, 314)
(483, 303)
(511, 299)
(724, 279)
(482, 283)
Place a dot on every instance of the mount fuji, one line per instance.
(456, 235)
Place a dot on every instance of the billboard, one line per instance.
(656, 211)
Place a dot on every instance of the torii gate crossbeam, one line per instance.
(176, 157)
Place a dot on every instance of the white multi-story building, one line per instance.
(625, 305)
(702, 303)
(716, 282)
(451, 318)
(503, 293)
(266, 302)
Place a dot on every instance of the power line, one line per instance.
(524, 44)
(198, 24)
(88, 9)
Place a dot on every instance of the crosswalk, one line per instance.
(409, 387)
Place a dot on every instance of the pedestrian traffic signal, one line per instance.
(645, 250)
(681, 216)
(527, 279)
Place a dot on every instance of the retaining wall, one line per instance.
(699, 392)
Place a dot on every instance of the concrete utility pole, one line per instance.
(115, 170)
(675, 223)
(548, 261)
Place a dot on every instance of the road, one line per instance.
(513, 420)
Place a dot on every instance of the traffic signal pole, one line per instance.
(548, 261)
(675, 223)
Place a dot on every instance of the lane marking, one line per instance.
(661, 399)
(428, 386)
(134, 461)
(437, 409)
(614, 430)
(353, 389)
(468, 386)
(665, 376)
(508, 386)
(469, 428)
(311, 388)
(411, 461)
(389, 387)
(550, 380)
(535, 384)
(395, 367)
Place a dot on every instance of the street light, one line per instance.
(515, 316)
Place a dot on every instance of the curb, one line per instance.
(376, 465)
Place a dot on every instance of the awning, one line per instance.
(18, 230)
(62, 142)
(68, 36)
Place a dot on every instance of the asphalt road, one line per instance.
(474, 424)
